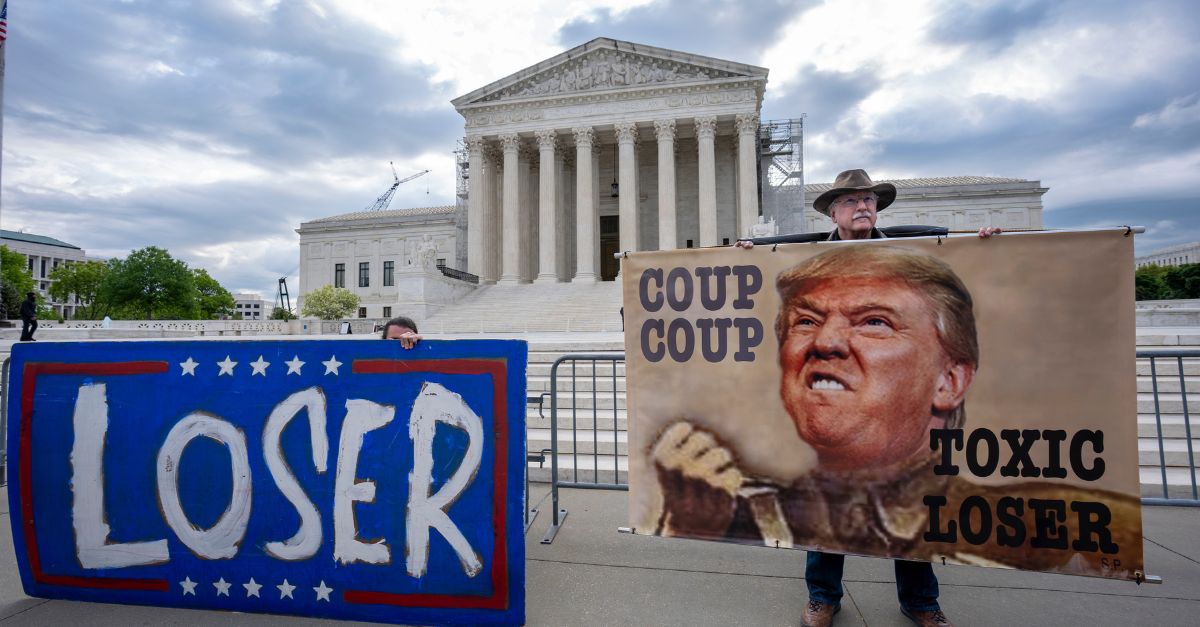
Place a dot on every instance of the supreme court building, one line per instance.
(615, 146)
(609, 146)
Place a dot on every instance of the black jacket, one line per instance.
(28, 309)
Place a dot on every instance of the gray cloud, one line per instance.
(992, 27)
(737, 31)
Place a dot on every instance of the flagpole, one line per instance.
(3, 49)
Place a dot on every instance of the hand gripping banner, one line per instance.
(339, 479)
(952, 400)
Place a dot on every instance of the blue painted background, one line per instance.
(144, 407)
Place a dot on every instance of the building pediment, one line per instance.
(604, 65)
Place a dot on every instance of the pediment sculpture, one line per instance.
(604, 70)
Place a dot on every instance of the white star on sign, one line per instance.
(222, 587)
(285, 589)
(252, 588)
(189, 586)
(294, 365)
(259, 366)
(331, 366)
(189, 366)
(226, 366)
(322, 591)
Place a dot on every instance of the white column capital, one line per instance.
(627, 133)
(546, 139)
(584, 135)
(475, 144)
(706, 127)
(746, 123)
(664, 130)
(510, 142)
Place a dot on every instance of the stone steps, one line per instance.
(533, 308)
(1169, 384)
(1172, 426)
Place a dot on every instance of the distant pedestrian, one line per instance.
(28, 317)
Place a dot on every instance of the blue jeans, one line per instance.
(916, 585)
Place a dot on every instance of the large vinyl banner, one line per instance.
(339, 479)
(955, 400)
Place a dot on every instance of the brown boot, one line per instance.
(927, 619)
(817, 614)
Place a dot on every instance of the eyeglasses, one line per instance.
(853, 202)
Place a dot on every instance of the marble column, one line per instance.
(475, 205)
(510, 271)
(564, 226)
(747, 134)
(706, 132)
(586, 222)
(494, 194)
(627, 202)
(527, 226)
(547, 207)
(664, 130)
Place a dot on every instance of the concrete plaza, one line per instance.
(593, 575)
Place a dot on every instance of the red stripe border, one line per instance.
(28, 389)
(498, 369)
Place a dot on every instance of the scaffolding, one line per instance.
(781, 174)
(461, 178)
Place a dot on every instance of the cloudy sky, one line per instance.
(214, 127)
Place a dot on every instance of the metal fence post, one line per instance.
(556, 482)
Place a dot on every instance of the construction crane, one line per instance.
(283, 300)
(385, 198)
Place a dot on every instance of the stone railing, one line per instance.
(170, 328)
(1168, 313)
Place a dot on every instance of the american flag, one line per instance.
(4, 22)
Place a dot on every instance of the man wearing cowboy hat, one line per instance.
(854, 203)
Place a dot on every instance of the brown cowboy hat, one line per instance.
(855, 181)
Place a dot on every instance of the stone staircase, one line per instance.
(1174, 455)
(589, 394)
(532, 308)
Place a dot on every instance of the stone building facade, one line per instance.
(1171, 256)
(609, 146)
(367, 252)
(43, 254)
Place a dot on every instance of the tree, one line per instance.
(15, 280)
(279, 313)
(86, 281)
(1183, 281)
(330, 303)
(149, 280)
(212, 299)
(1148, 283)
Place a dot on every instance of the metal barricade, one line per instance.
(1184, 493)
(574, 476)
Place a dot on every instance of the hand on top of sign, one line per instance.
(699, 480)
(744, 243)
(408, 339)
(989, 231)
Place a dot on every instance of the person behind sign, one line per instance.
(403, 329)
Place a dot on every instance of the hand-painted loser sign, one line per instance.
(340, 479)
